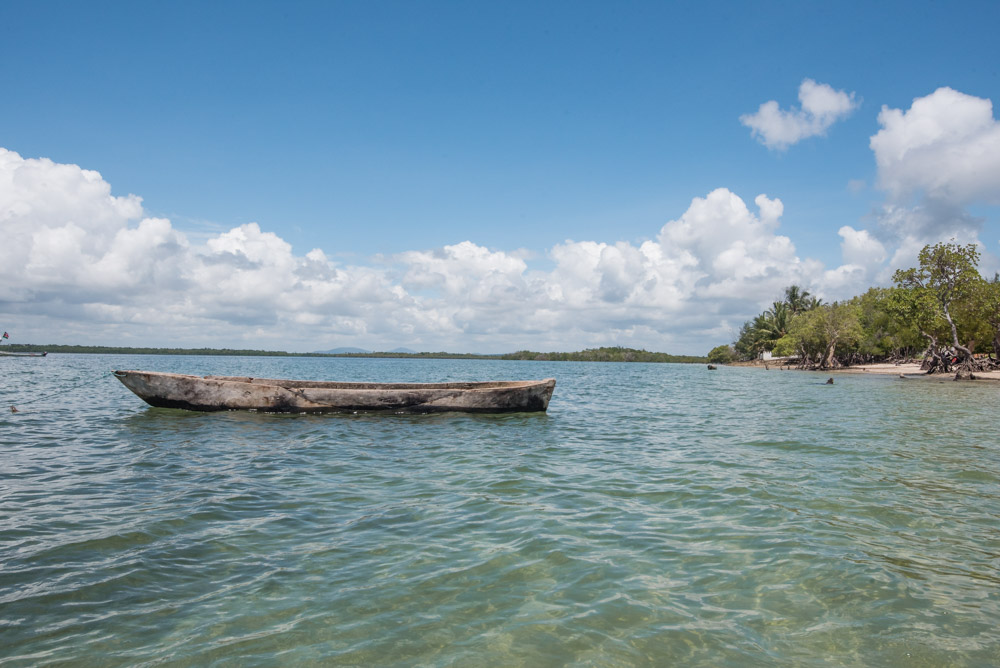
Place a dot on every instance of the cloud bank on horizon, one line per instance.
(92, 267)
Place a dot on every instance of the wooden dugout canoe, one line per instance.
(221, 393)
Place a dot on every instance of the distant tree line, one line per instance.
(942, 312)
(613, 354)
(120, 350)
(433, 356)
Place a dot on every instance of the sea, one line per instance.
(656, 515)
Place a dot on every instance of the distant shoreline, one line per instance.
(609, 354)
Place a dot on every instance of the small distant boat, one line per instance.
(221, 393)
(7, 354)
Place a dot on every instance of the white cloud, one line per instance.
(863, 256)
(81, 265)
(821, 107)
(731, 252)
(466, 271)
(945, 147)
(860, 248)
(935, 161)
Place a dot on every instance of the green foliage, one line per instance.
(939, 307)
(774, 324)
(947, 286)
(914, 307)
(989, 301)
(721, 355)
(884, 334)
(786, 346)
(430, 356)
(799, 300)
(821, 330)
(763, 333)
(746, 345)
(613, 354)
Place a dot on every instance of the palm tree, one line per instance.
(773, 324)
(763, 332)
(798, 300)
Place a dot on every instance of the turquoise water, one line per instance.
(656, 515)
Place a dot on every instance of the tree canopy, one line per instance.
(942, 311)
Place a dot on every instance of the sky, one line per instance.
(479, 176)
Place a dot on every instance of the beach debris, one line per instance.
(829, 381)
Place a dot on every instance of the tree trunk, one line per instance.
(929, 357)
(828, 357)
(938, 363)
(966, 353)
(969, 365)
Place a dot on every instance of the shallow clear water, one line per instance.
(657, 515)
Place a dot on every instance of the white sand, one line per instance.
(910, 369)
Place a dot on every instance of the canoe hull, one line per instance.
(6, 354)
(221, 393)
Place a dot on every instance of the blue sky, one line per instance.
(385, 133)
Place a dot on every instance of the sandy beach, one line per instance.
(909, 370)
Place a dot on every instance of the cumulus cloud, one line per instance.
(945, 147)
(91, 267)
(466, 271)
(821, 107)
(863, 256)
(859, 248)
(936, 160)
(80, 264)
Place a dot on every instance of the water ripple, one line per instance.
(725, 519)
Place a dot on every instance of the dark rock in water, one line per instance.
(711, 367)
(829, 381)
